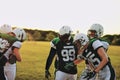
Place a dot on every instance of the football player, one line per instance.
(95, 32)
(12, 42)
(14, 54)
(3, 30)
(66, 52)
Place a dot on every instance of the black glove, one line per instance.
(68, 66)
(90, 75)
(47, 74)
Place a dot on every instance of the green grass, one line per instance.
(34, 55)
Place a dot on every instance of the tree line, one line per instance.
(40, 35)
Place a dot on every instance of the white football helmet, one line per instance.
(20, 34)
(65, 33)
(98, 29)
(5, 28)
(65, 30)
(82, 38)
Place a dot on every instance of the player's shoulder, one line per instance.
(95, 43)
(93, 40)
(103, 40)
(8, 37)
(17, 44)
(56, 40)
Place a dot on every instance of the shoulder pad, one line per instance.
(55, 40)
(10, 39)
(92, 40)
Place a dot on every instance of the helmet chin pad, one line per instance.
(64, 37)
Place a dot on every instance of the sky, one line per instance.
(53, 14)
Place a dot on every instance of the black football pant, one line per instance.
(3, 60)
(2, 76)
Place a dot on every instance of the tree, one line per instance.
(36, 35)
(50, 36)
(116, 40)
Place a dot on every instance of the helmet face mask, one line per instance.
(64, 37)
(92, 33)
(97, 29)
(81, 40)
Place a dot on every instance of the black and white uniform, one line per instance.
(10, 69)
(92, 57)
(6, 42)
(66, 53)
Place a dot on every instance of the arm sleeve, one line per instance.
(17, 44)
(105, 45)
(97, 44)
(50, 58)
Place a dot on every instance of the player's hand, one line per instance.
(90, 75)
(47, 74)
(12, 59)
(68, 66)
(80, 57)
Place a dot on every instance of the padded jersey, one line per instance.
(66, 53)
(91, 54)
(5, 42)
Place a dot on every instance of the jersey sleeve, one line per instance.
(105, 45)
(97, 44)
(54, 42)
(17, 44)
(50, 58)
(52, 45)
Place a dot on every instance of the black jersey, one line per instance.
(92, 58)
(66, 53)
(91, 54)
(104, 44)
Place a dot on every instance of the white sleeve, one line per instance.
(105, 44)
(52, 45)
(96, 44)
(17, 44)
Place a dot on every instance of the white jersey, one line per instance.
(105, 45)
(16, 44)
(10, 69)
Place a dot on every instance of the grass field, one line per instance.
(34, 56)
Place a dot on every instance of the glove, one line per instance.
(47, 74)
(84, 74)
(68, 66)
(12, 59)
(90, 75)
